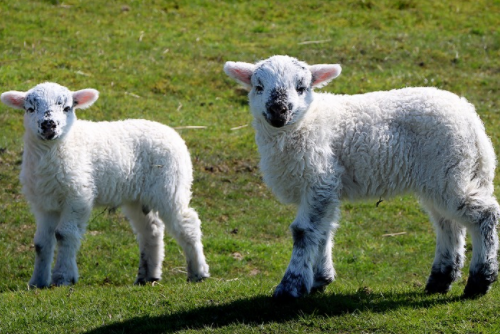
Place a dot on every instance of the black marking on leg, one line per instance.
(38, 249)
(479, 282)
(302, 237)
(143, 268)
(290, 283)
(59, 236)
(488, 221)
(140, 281)
(321, 202)
(298, 238)
(145, 210)
(440, 282)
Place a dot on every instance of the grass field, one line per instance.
(162, 60)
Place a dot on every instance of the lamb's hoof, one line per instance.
(478, 285)
(198, 277)
(320, 284)
(61, 280)
(143, 281)
(287, 290)
(282, 294)
(38, 285)
(438, 283)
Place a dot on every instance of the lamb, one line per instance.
(69, 166)
(318, 149)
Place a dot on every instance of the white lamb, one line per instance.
(317, 149)
(69, 166)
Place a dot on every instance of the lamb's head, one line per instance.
(281, 87)
(50, 108)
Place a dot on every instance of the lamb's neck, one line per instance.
(36, 149)
(287, 137)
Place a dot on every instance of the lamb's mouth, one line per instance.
(48, 135)
(276, 122)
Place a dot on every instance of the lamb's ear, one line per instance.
(14, 99)
(241, 72)
(84, 98)
(324, 73)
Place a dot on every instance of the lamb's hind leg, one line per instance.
(149, 229)
(450, 253)
(185, 226)
(481, 218)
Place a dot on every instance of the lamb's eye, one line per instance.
(67, 109)
(301, 89)
(30, 110)
(259, 88)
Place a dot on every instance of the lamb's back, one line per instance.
(404, 140)
(108, 163)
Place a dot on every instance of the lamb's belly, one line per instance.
(375, 183)
(113, 196)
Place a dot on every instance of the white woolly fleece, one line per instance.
(317, 149)
(69, 166)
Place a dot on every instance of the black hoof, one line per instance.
(440, 282)
(289, 291)
(477, 286)
(436, 286)
(197, 278)
(143, 281)
(281, 294)
(320, 284)
(479, 283)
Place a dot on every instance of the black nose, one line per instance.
(48, 125)
(278, 109)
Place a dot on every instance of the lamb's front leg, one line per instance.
(310, 262)
(68, 234)
(324, 273)
(44, 247)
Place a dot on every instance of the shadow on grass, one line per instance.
(260, 310)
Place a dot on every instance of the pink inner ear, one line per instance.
(17, 101)
(14, 99)
(324, 76)
(243, 74)
(84, 97)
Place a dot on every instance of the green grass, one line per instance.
(162, 60)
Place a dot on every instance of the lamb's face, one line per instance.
(49, 111)
(281, 90)
(49, 108)
(281, 87)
